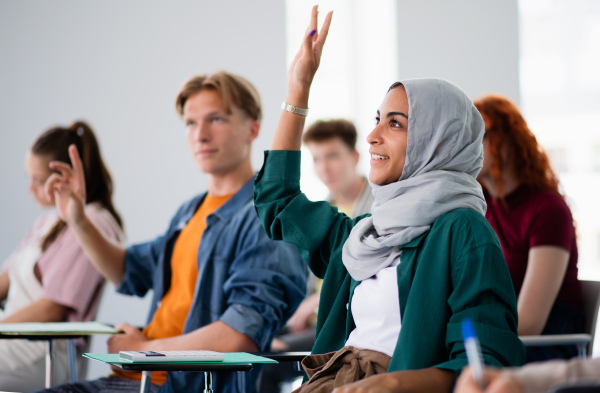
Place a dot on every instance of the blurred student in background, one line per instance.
(49, 278)
(332, 144)
(333, 147)
(534, 224)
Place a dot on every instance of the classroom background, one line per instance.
(119, 65)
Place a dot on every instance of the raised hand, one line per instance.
(66, 189)
(288, 134)
(307, 60)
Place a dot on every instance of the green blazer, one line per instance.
(454, 271)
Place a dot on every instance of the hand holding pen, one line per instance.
(476, 378)
(474, 354)
(497, 381)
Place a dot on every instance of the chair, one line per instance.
(283, 357)
(78, 364)
(584, 342)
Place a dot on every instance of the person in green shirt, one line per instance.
(398, 283)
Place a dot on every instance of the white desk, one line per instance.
(49, 331)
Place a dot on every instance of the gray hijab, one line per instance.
(443, 157)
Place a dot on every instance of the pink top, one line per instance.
(68, 277)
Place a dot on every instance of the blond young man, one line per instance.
(219, 283)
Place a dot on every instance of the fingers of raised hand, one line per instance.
(76, 161)
(321, 36)
(64, 169)
(314, 39)
(314, 16)
(53, 183)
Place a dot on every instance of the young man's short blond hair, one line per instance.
(233, 89)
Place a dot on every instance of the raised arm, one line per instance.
(288, 134)
(67, 190)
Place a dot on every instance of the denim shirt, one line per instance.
(245, 280)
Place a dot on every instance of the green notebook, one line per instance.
(230, 358)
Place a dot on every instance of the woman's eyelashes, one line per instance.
(392, 122)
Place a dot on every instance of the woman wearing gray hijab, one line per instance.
(398, 283)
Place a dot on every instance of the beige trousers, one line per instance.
(330, 370)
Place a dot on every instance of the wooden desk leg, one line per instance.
(145, 386)
(208, 382)
(49, 376)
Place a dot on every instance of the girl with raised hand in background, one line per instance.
(48, 278)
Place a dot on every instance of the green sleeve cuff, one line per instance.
(280, 165)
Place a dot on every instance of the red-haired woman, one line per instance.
(534, 224)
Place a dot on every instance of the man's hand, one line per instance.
(131, 340)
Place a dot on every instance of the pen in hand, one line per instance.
(474, 354)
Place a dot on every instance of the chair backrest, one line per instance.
(78, 368)
(591, 303)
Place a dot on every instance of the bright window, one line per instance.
(356, 69)
(560, 92)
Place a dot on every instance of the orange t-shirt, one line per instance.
(170, 316)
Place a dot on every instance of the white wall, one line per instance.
(472, 43)
(119, 66)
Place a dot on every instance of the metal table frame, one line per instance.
(49, 338)
(207, 369)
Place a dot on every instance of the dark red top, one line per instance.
(535, 218)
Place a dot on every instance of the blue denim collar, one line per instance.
(225, 212)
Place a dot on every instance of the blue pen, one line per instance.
(473, 352)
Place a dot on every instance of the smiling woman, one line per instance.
(389, 137)
(397, 283)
